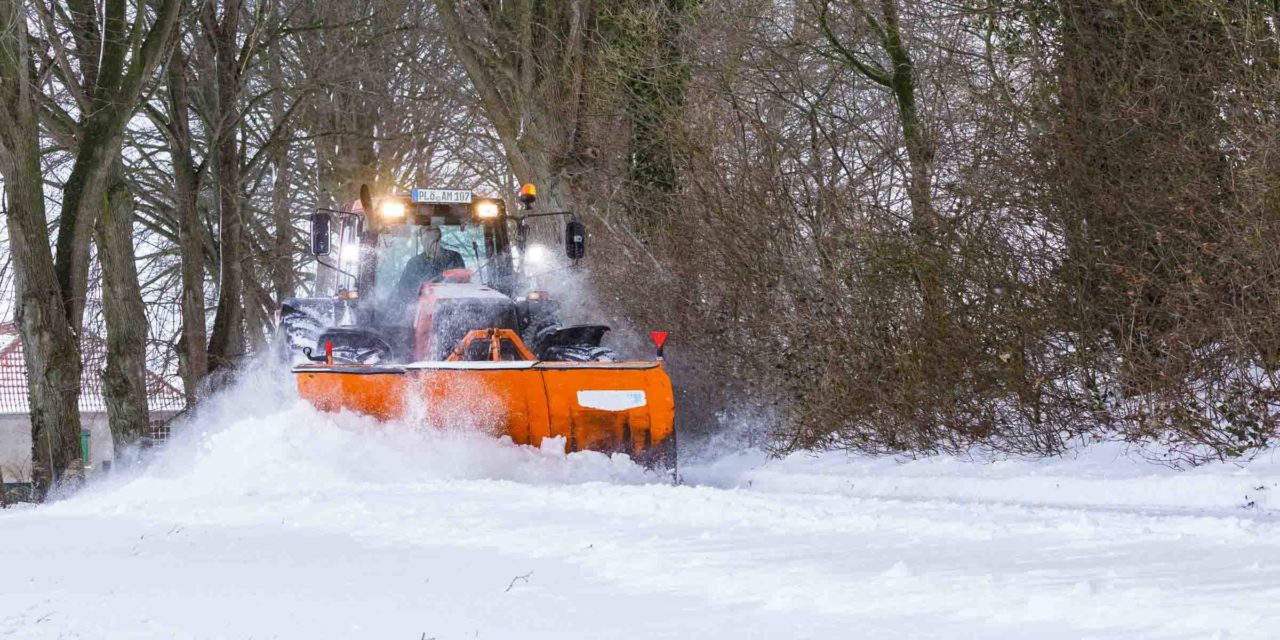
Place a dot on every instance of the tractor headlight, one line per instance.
(350, 253)
(537, 255)
(391, 210)
(487, 209)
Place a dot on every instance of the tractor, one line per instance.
(425, 310)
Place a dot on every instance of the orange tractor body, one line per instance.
(624, 407)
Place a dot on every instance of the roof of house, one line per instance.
(161, 395)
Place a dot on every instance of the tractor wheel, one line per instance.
(298, 329)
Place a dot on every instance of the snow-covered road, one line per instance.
(293, 524)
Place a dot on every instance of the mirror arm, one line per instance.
(350, 275)
(541, 214)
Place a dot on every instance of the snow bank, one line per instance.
(258, 438)
(1102, 475)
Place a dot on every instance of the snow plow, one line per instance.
(434, 317)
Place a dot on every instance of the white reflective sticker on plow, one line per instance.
(611, 400)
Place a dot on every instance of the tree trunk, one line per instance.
(227, 341)
(124, 383)
(930, 258)
(282, 276)
(50, 349)
(193, 355)
(655, 75)
(83, 197)
(256, 314)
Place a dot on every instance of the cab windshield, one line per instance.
(397, 245)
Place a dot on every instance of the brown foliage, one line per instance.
(1100, 178)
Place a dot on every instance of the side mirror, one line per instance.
(575, 240)
(320, 230)
(366, 200)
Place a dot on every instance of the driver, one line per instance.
(428, 266)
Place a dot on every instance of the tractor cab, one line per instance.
(365, 249)
(408, 275)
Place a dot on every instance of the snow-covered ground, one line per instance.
(267, 519)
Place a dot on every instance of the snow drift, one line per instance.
(312, 525)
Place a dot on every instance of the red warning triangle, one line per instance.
(659, 338)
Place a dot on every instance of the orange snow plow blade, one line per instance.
(598, 406)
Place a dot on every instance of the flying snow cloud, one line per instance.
(259, 438)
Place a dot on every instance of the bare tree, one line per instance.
(105, 71)
(221, 29)
(124, 382)
(49, 342)
(527, 62)
(188, 176)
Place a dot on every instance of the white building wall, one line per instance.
(15, 448)
(15, 443)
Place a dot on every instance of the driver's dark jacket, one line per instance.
(423, 268)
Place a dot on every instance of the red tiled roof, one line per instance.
(161, 396)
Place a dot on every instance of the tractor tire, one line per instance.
(301, 322)
(298, 330)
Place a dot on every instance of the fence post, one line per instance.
(84, 448)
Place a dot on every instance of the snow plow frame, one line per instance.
(496, 338)
(623, 407)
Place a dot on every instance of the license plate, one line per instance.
(442, 196)
(611, 400)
